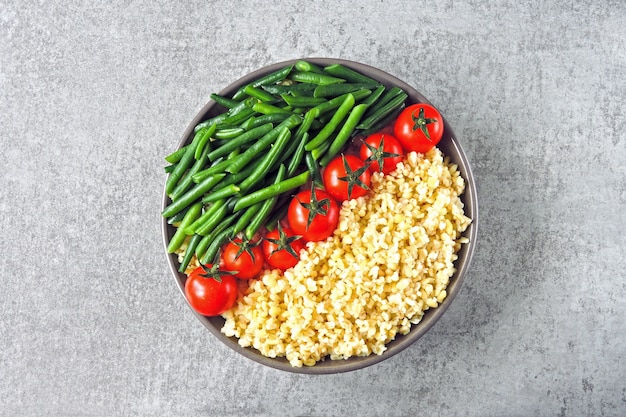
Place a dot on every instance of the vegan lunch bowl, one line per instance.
(319, 215)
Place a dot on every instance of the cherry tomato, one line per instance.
(419, 128)
(243, 257)
(381, 148)
(210, 291)
(346, 177)
(281, 248)
(313, 214)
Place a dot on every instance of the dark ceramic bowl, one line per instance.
(448, 145)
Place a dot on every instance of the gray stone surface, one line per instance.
(94, 94)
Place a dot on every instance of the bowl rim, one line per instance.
(431, 316)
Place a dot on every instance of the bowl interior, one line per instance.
(449, 145)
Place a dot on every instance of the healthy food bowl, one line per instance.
(274, 176)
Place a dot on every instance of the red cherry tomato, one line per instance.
(313, 215)
(206, 294)
(419, 128)
(281, 248)
(243, 257)
(381, 148)
(346, 177)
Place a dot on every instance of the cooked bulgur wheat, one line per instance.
(389, 260)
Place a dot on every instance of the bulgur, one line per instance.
(389, 260)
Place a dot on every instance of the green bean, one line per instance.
(280, 210)
(175, 220)
(263, 119)
(296, 88)
(316, 124)
(392, 105)
(371, 99)
(331, 126)
(224, 126)
(348, 74)
(189, 251)
(344, 133)
(223, 192)
(271, 191)
(314, 78)
(240, 117)
(215, 219)
(210, 237)
(270, 158)
(247, 124)
(239, 113)
(204, 139)
(285, 156)
(304, 93)
(321, 150)
(170, 168)
(179, 236)
(187, 181)
(224, 101)
(259, 94)
(228, 133)
(306, 66)
(298, 155)
(325, 118)
(231, 203)
(204, 217)
(292, 146)
(302, 101)
(217, 168)
(200, 249)
(361, 94)
(262, 143)
(240, 176)
(221, 238)
(336, 102)
(192, 195)
(307, 123)
(212, 121)
(384, 99)
(183, 164)
(314, 169)
(176, 155)
(246, 217)
(334, 90)
(272, 78)
(233, 154)
(382, 122)
(235, 143)
(266, 108)
(217, 161)
(266, 207)
(298, 110)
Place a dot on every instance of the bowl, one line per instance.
(450, 147)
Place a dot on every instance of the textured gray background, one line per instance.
(94, 94)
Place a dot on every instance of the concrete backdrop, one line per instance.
(93, 95)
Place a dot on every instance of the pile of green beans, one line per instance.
(270, 139)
